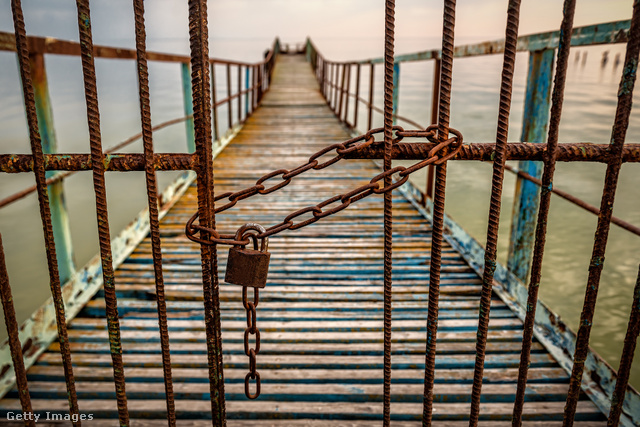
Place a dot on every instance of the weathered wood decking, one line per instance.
(321, 314)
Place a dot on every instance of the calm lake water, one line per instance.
(590, 101)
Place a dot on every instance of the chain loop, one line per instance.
(247, 379)
(251, 329)
(440, 153)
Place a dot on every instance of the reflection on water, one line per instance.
(587, 116)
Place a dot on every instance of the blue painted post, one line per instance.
(59, 216)
(396, 90)
(246, 96)
(188, 107)
(534, 129)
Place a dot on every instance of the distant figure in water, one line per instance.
(616, 61)
(605, 59)
(584, 58)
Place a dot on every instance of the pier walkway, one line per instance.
(320, 316)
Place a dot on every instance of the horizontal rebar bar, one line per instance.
(129, 162)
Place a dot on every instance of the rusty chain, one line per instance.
(252, 329)
(442, 152)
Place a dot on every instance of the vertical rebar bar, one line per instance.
(389, 40)
(448, 25)
(14, 339)
(491, 251)
(199, 33)
(626, 358)
(545, 202)
(152, 199)
(43, 202)
(97, 157)
(623, 110)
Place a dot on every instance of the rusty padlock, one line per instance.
(248, 267)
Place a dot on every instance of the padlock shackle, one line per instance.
(242, 233)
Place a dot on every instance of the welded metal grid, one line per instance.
(328, 75)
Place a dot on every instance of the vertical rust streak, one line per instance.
(543, 210)
(491, 252)
(43, 202)
(152, 199)
(623, 110)
(371, 81)
(626, 358)
(389, 41)
(198, 35)
(357, 101)
(14, 340)
(438, 211)
(97, 164)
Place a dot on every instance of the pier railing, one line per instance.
(252, 80)
(527, 234)
(71, 287)
(335, 79)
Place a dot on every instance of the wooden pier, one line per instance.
(320, 316)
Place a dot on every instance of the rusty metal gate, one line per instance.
(444, 144)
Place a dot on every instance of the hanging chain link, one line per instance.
(439, 154)
(252, 329)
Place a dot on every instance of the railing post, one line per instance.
(346, 95)
(246, 95)
(435, 101)
(259, 84)
(355, 107)
(335, 87)
(229, 103)
(239, 93)
(534, 129)
(188, 106)
(214, 101)
(57, 205)
(371, 80)
(396, 90)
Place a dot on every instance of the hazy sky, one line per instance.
(293, 20)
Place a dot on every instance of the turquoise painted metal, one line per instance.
(59, 216)
(188, 107)
(246, 88)
(396, 90)
(608, 33)
(534, 129)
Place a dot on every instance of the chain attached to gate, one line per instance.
(442, 152)
(249, 267)
(252, 329)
